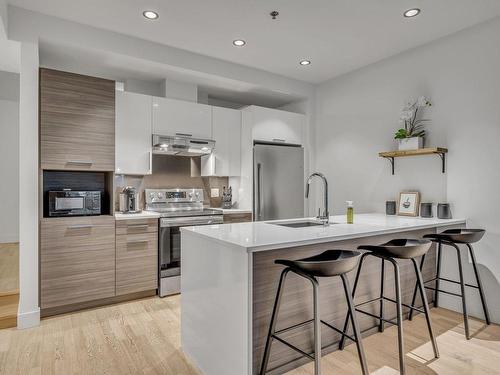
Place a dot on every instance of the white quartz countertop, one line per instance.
(259, 236)
(141, 215)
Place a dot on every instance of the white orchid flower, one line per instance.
(423, 102)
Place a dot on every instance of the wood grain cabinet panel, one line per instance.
(136, 256)
(237, 218)
(77, 122)
(77, 260)
(136, 226)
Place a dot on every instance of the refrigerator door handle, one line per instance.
(259, 191)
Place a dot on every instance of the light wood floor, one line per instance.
(9, 267)
(142, 337)
(9, 284)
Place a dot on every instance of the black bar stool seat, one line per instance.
(453, 238)
(400, 248)
(327, 264)
(406, 249)
(462, 236)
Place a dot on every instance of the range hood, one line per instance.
(181, 145)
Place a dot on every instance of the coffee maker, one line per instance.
(129, 200)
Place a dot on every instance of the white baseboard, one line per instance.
(9, 238)
(28, 319)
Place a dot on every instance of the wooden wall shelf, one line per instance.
(440, 151)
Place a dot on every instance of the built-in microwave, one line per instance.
(74, 203)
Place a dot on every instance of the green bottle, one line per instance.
(350, 212)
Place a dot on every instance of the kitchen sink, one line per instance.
(301, 224)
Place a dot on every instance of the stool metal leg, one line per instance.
(317, 329)
(462, 290)
(346, 324)
(382, 279)
(438, 273)
(272, 325)
(399, 309)
(423, 296)
(414, 298)
(357, 334)
(479, 285)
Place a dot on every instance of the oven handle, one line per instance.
(187, 222)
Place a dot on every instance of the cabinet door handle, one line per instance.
(84, 162)
(184, 134)
(138, 226)
(137, 241)
(278, 140)
(81, 226)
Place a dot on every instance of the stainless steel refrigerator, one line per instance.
(278, 185)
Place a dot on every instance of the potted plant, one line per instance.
(412, 136)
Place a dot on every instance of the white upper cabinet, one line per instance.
(133, 127)
(226, 131)
(171, 117)
(273, 125)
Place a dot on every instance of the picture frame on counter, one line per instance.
(409, 203)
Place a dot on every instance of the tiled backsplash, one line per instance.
(172, 172)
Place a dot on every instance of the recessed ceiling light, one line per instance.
(305, 62)
(150, 15)
(411, 12)
(239, 42)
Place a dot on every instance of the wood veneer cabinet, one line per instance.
(240, 217)
(77, 122)
(77, 260)
(136, 255)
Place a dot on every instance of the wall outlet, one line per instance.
(214, 193)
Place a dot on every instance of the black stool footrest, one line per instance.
(292, 347)
(450, 281)
(311, 321)
(376, 317)
(443, 291)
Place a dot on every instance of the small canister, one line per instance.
(444, 211)
(390, 208)
(426, 209)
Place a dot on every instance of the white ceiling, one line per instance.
(120, 68)
(338, 36)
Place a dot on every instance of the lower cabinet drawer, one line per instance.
(136, 263)
(77, 260)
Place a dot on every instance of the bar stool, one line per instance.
(390, 251)
(453, 237)
(327, 264)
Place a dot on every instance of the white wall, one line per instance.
(3, 17)
(29, 311)
(9, 156)
(357, 115)
(9, 170)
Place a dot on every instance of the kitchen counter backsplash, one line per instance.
(172, 172)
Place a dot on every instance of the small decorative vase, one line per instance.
(426, 210)
(412, 143)
(390, 208)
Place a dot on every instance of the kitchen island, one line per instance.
(229, 281)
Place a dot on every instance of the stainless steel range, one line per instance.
(177, 208)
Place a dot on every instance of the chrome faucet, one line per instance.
(325, 218)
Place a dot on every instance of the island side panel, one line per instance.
(215, 305)
(297, 306)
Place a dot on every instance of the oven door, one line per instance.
(170, 240)
(170, 251)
